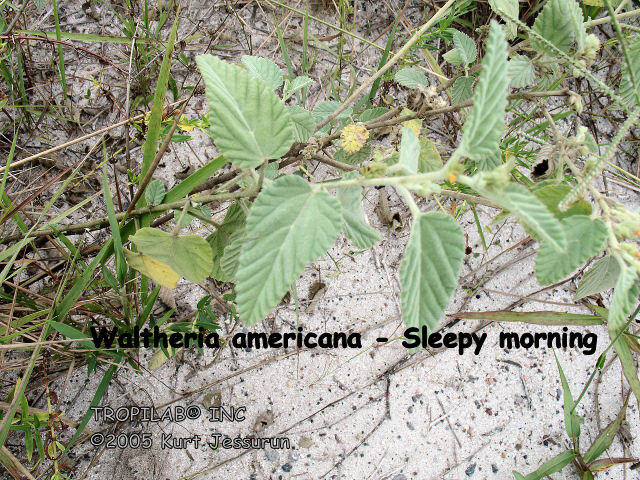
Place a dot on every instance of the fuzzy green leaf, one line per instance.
(289, 225)
(429, 159)
(264, 69)
(532, 212)
(585, 239)
(355, 158)
(234, 220)
(303, 123)
(250, 123)
(555, 24)
(411, 77)
(354, 222)
(372, 113)
(292, 86)
(552, 195)
(483, 129)
(231, 257)
(188, 255)
(324, 109)
(430, 268)
(625, 296)
(155, 192)
(577, 23)
(409, 150)
(465, 47)
(462, 89)
(628, 91)
(453, 56)
(512, 9)
(602, 276)
(521, 72)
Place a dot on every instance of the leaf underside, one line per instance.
(250, 124)
(289, 226)
(482, 131)
(430, 268)
(585, 239)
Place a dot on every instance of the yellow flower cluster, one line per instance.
(353, 137)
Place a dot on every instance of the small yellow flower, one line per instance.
(452, 178)
(353, 137)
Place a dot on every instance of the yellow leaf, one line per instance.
(159, 272)
(159, 358)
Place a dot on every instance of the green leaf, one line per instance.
(409, 150)
(453, 56)
(552, 195)
(324, 109)
(624, 299)
(462, 89)
(429, 159)
(518, 476)
(465, 47)
(555, 24)
(532, 212)
(234, 220)
(155, 118)
(264, 69)
(188, 255)
(605, 439)
(521, 72)
(602, 276)
(355, 158)
(354, 222)
(430, 268)
(121, 266)
(231, 257)
(194, 180)
(290, 225)
(372, 113)
(483, 129)
(411, 77)
(297, 84)
(72, 333)
(571, 419)
(554, 465)
(630, 93)
(585, 239)
(512, 9)
(155, 192)
(577, 23)
(303, 123)
(250, 123)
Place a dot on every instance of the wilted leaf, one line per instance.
(188, 255)
(159, 272)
